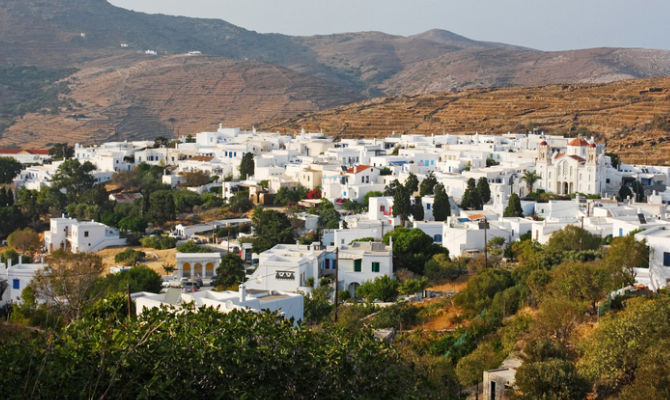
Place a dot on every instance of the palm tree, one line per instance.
(530, 177)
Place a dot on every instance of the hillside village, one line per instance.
(308, 217)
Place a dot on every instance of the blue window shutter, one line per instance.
(666, 259)
(16, 284)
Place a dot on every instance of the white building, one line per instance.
(467, 235)
(580, 168)
(197, 265)
(361, 262)
(658, 240)
(289, 268)
(289, 305)
(80, 236)
(18, 277)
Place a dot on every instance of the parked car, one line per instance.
(189, 287)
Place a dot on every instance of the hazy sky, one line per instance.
(541, 24)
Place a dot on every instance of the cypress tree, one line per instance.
(441, 205)
(484, 190)
(513, 207)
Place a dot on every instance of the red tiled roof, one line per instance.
(476, 217)
(559, 155)
(578, 158)
(21, 151)
(578, 142)
(358, 168)
(543, 143)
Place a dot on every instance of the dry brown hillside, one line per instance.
(632, 117)
(138, 96)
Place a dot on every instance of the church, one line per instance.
(580, 167)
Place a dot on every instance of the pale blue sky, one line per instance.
(541, 24)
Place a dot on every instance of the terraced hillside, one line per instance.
(138, 96)
(632, 117)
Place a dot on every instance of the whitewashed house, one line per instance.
(80, 236)
(17, 277)
(289, 305)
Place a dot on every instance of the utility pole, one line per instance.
(337, 283)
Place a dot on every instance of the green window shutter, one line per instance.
(375, 267)
(357, 265)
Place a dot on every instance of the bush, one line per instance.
(383, 288)
(129, 256)
(160, 243)
(191, 247)
(399, 316)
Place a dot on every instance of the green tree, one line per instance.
(470, 368)
(9, 169)
(553, 379)
(417, 209)
(572, 238)
(24, 240)
(402, 207)
(412, 183)
(613, 352)
(140, 278)
(441, 204)
(67, 283)
(581, 282)
(481, 289)
(247, 165)
(196, 178)
(240, 202)
(271, 228)
(130, 257)
(484, 189)
(368, 195)
(382, 288)
(428, 184)
(471, 198)
(651, 378)
(440, 268)
(161, 207)
(329, 217)
(624, 193)
(412, 286)
(191, 247)
(238, 354)
(132, 224)
(317, 304)
(623, 256)
(61, 151)
(638, 190)
(74, 178)
(230, 271)
(513, 208)
(412, 249)
(530, 177)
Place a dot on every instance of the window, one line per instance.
(85, 233)
(357, 265)
(16, 284)
(666, 259)
(382, 208)
(437, 238)
(375, 267)
(327, 263)
(428, 206)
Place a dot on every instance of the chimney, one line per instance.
(243, 293)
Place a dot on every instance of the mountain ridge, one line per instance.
(331, 70)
